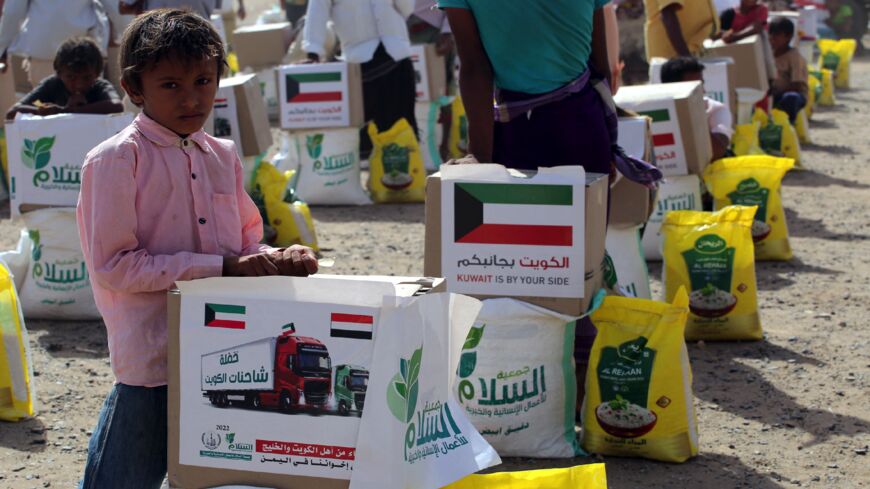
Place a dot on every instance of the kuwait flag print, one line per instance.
(507, 214)
(224, 316)
(661, 138)
(314, 87)
(354, 326)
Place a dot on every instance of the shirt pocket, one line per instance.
(228, 224)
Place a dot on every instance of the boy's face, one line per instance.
(179, 95)
(78, 82)
(779, 41)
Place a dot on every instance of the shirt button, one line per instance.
(185, 142)
(202, 220)
(193, 176)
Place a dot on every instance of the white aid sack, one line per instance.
(516, 380)
(675, 194)
(329, 168)
(431, 133)
(57, 285)
(413, 433)
(626, 252)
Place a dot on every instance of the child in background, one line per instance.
(76, 86)
(162, 202)
(791, 86)
(719, 116)
(749, 18)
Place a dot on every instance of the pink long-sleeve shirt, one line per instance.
(155, 209)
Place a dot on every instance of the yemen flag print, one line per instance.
(224, 316)
(661, 138)
(506, 214)
(354, 326)
(314, 87)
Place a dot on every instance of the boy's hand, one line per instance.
(259, 265)
(48, 109)
(76, 100)
(295, 261)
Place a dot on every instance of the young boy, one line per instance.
(719, 117)
(791, 86)
(76, 86)
(749, 18)
(161, 202)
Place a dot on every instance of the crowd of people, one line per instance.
(528, 71)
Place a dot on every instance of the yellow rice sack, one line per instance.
(815, 90)
(779, 138)
(16, 372)
(711, 254)
(289, 219)
(590, 476)
(837, 57)
(639, 399)
(755, 180)
(802, 127)
(458, 138)
(396, 169)
(826, 97)
(745, 140)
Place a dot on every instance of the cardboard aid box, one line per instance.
(680, 131)
(720, 75)
(430, 71)
(268, 376)
(630, 202)
(314, 96)
(749, 57)
(46, 155)
(262, 45)
(240, 115)
(536, 237)
(675, 194)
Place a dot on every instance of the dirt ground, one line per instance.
(788, 411)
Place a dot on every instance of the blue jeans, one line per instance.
(128, 447)
(791, 103)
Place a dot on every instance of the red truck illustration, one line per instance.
(285, 372)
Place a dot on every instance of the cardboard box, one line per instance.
(431, 72)
(626, 252)
(630, 202)
(262, 45)
(720, 75)
(517, 258)
(315, 96)
(675, 194)
(240, 115)
(46, 155)
(749, 57)
(680, 130)
(223, 325)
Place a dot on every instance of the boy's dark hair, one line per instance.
(781, 25)
(168, 33)
(676, 68)
(77, 54)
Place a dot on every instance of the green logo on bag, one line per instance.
(36, 154)
(710, 243)
(403, 388)
(314, 145)
(831, 61)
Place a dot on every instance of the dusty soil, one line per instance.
(787, 411)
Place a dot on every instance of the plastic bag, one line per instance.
(57, 285)
(329, 168)
(396, 172)
(520, 399)
(592, 476)
(711, 254)
(458, 141)
(626, 260)
(826, 98)
(779, 138)
(289, 219)
(16, 371)
(745, 140)
(755, 180)
(837, 57)
(802, 127)
(431, 132)
(639, 399)
(813, 94)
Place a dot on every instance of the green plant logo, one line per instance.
(36, 154)
(230, 438)
(314, 145)
(403, 388)
(36, 252)
(468, 360)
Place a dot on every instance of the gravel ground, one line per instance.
(787, 411)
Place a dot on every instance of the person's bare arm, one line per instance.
(101, 107)
(673, 29)
(750, 30)
(475, 83)
(600, 59)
